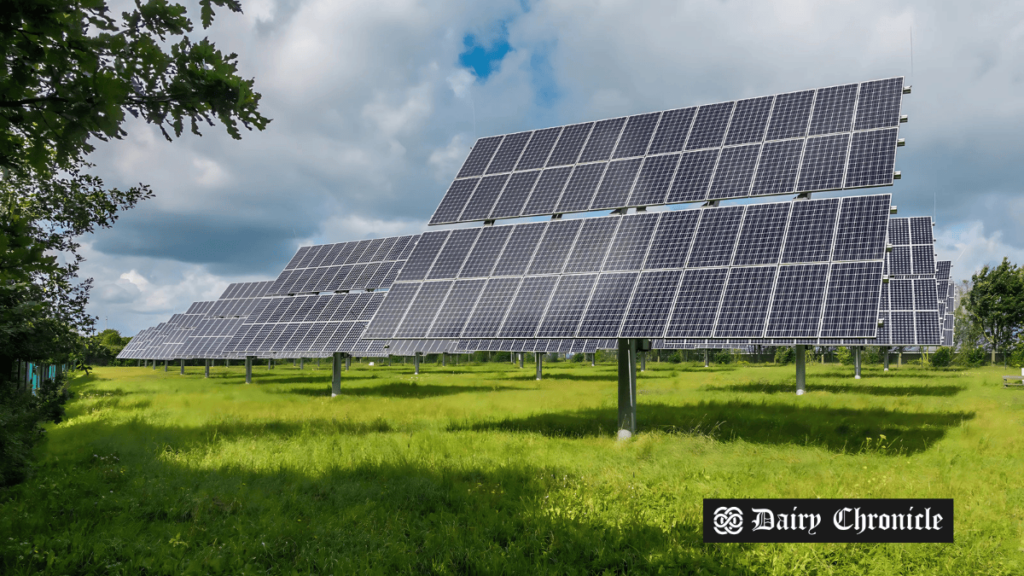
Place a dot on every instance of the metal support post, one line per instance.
(705, 358)
(248, 369)
(856, 362)
(348, 362)
(540, 364)
(886, 361)
(182, 366)
(140, 363)
(154, 364)
(627, 387)
(416, 363)
(302, 363)
(800, 357)
(165, 365)
(593, 358)
(443, 359)
(270, 363)
(207, 362)
(335, 374)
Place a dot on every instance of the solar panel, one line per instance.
(736, 273)
(835, 138)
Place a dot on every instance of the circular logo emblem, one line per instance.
(728, 520)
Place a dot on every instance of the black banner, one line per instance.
(839, 520)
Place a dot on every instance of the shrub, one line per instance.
(942, 357)
(783, 355)
(723, 357)
(844, 355)
(970, 356)
(21, 414)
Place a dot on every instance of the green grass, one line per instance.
(483, 470)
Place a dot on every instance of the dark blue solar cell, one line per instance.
(927, 327)
(479, 157)
(863, 222)
(513, 197)
(391, 311)
(833, 109)
(693, 177)
(924, 295)
(652, 302)
(811, 228)
(734, 172)
(580, 190)
(602, 140)
(744, 308)
(423, 310)
(454, 253)
(616, 184)
(637, 135)
(486, 194)
(519, 249)
(899, 231)
(761, 237)
(629, 248)
(566, 307)
(508, 154)
(672, 131)
(796, 307)
(570, 142)
(790, 115)
(878, 105)
(709, 127)
(872, 159)
(823, 164)
(899, 261)
(776, 171)
(697, 303)
(454, 201)
(491, 308)
(607, 305)
(537, 151)
(923, 259)
(671, 243)
(716, 237)
(422, 258)
(921, 230)
(851, 303)
(527, 308)
(555, 247)
(652, 184)
(591, 246)
(547, 192)
(485, 252)
(749, 121)
(901, 294)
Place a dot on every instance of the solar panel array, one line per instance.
(166, 340)
(945, 291)
(909, 308)
(834, 138)
(363, 265)
(808, 268)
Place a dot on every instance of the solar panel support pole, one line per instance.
(886, 361)
(705, 358)
(302, 363)
(520, 360)
(335, 374)
(643, 361)
(207, 364)
(627, 387)
(154, 364)
(416, 363)
(444, 359)
(248, 369)
(348, 362)
(165, 365)
(540, 364)
(182, 366)
(593, 358)
(801, 357)
(856, 363)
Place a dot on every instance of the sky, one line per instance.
(375, 106)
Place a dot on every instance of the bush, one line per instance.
(783, 355)
(844, 355)
(971, 357)
(21, 414)
(723, 357)
(942, 357)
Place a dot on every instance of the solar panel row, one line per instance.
(809, 268)
(834, 138)
(363, 265)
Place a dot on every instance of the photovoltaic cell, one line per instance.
(790, 115)
(580, 190)
(547, 192)
(602, 140)
(776, 171)
(760, 240)
(607, 305)
(423, 309)
(745, 303)
(567, 304)
(734, 172)
(508, 153)
(591, 245)
(452, 316)
(693, 177)
(879, 104)
(697, 304)
(617, 183)
(527, 307)
(423, 256)
(491, 307)
(650, 307)
(537, 151)
(709, 127)
(927, 325)
(554, 248)
(655, 176)
(852, 299)
(923, 258)
(863, 221)
(716, 237)
(824, 161)
(479, 157)
(454, 201)
(370, 249)
(921, 230)
(872, 160)
(637, 135)
(672, 240)
(519, 250)
(485, 252)
(672, 131)
(629, 248)
(514, 197)
(749, 121)
(833, 109)
(899, 231)
(923, 298)
(796, 307)
(452, 256)
(899, 260)
(571, 141)
(811, 228)
(484, 197)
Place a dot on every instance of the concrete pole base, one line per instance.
(624, 435)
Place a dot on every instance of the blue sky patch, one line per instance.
(482, 59)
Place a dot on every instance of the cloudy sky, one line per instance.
(375, 106)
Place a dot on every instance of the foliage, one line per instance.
(784, 355)
(942, 357)
(996, 302)
(20, 418)
(844, 356)
(723, 357)
(969, 357)
(488, 471)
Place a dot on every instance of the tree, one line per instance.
(996, 303)
(71, 73)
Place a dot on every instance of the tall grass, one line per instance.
(480, 469)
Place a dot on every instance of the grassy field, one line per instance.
(482, 470)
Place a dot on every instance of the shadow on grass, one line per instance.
(388, 515)
(892, 373)
(840, 430)
(764, 388)
(397, 390)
